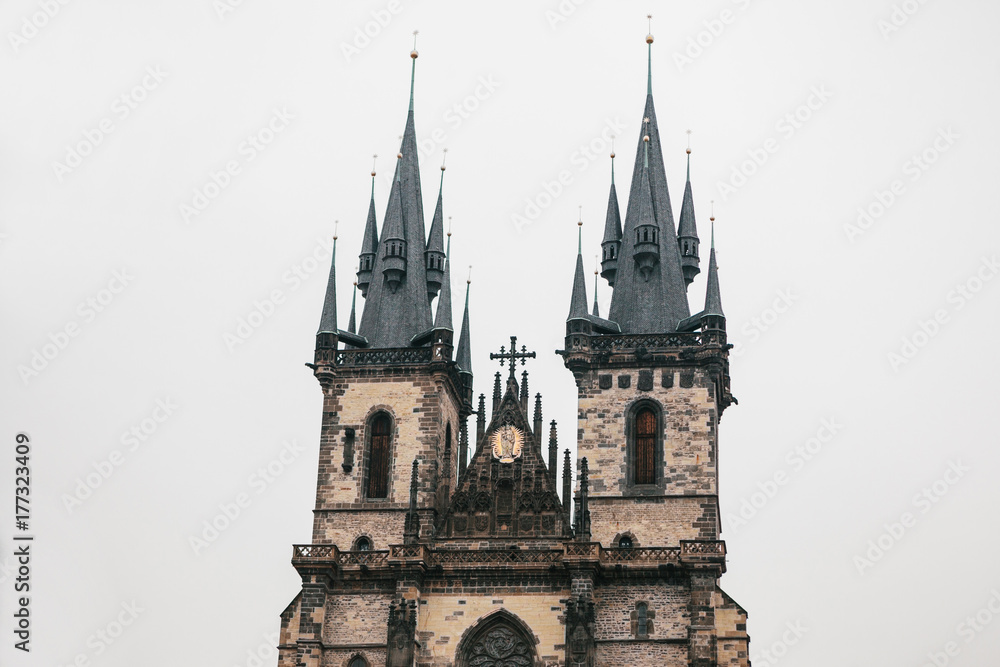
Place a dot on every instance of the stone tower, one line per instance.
(423, 556)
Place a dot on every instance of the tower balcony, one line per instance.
(609, 261)
(365, 262)
(647, 249)
(434, 262)
(394, 262)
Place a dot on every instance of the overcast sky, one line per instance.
(168, 171)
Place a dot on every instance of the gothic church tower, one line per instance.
(421, 555)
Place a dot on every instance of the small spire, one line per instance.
(351, 323)
(413, 69)
(713, 295)
(649, 70)
(463, 355)
(328, 320)
(612, 159)
(578, 300)
(442, 318)
(597, 311)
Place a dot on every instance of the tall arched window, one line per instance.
(358, 662)
(645, 446)
(379, 459)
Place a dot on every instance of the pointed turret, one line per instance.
(442, 318)
(396, 306)
(369, 245)
(393, 257)
(328, 320)
(578, 302)
(464, 354)
(650, 294)
(351, 325)
(713, 317)
(687, 231)
(434, 256)
(612, 243)
(597, 309)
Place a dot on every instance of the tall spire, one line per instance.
(597, 310)
(328, 320)
(713, 296)
(442, 319)
(351, 325)
(578, 302)
(687, 229)
(413, 67)
(369, 244)
(396, 306)
(611, 245)
(434, 256)
(650, 296)
(464, 354)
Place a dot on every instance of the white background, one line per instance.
(559, 75)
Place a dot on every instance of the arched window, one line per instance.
(358, 661)
(362, 544)
(379, 458)
(625, 542)
(645, 446)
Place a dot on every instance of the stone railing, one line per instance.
(370, 558)
(697, 548)
(382, 357)
(695, 551)
(641, 555)
(496, 556)
(626, 343)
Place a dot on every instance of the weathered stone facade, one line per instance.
(422, 556)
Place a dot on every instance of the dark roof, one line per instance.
(328, 320)
(713, 297)
(613, 221)
(391, 319)
(435, 242)
(578, 302)
(655, 305)
(442, 319)
(369, 243)
(351, 325)
(686, 226)
(464, 354)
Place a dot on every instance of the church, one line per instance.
(437, 542)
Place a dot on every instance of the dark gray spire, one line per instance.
(657, 301)
(369, 246)
(578, 302)
(434, 256)
(687, 231)
(328, 320)
(713, 297)
(464, 354)
(397, 308)
(597, 310)
(442, 319)
(612, 243)
(351, 326)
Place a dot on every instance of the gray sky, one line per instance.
(871, 335)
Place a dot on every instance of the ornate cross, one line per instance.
(513, 355)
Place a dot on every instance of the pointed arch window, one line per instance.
(379, 455)
(645, 446)
(358, 661)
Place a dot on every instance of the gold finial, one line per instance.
(649, 36)
(374, 159)
(580, 222)
(449, 222)
(688, 151)
(612, 147)
(413, 53)
(645, 138)
(712, 204)
(645, 121)
(468, 280)
(443, 158)
(335, 223)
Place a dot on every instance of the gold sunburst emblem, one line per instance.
(506, 442)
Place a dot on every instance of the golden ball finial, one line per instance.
(399, 156)
(414, 54)
(649, 38)
(373, 174)
(649, 35)
(645, 138)
(612, 155)
(688, 151)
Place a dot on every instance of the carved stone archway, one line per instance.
(499, 639)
